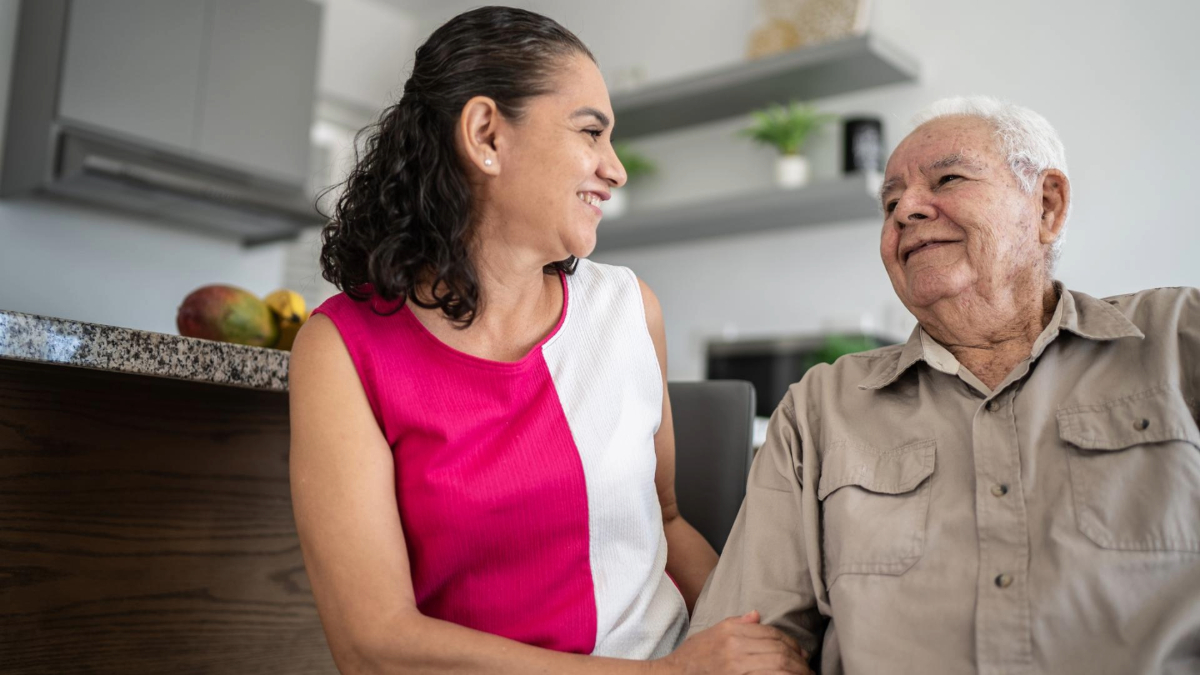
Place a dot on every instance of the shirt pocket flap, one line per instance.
(889, 472)
(1152, 416)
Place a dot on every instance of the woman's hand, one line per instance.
(737, 646)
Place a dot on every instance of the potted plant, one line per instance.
(786, 128)
(636, 166)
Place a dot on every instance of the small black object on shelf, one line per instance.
(862, 145)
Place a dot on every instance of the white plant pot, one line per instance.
(791, 171)
(616, 204)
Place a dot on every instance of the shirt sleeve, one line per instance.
(1189, 333)
(765, 565)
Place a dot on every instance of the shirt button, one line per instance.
(999, 490)
(1141, 425)
(1004, 580)
(993, 405)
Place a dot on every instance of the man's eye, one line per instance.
(594, 133)
(947, 178)
(889, 207)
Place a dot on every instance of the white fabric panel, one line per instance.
(606, 373)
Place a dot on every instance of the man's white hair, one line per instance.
(1026, 139)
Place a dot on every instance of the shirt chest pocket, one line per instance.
(1135, 471)
(874, 505)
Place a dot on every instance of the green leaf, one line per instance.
(635, 163)
(837, 346)
(786, 128)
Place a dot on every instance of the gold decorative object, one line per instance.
(777, 36)
(791, 24)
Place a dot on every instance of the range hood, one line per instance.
(192, 114)
(97, 170)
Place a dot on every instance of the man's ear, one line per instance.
(477, 127)
(1055, 190)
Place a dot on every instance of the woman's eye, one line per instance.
(947, 178)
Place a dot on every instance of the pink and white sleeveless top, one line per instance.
(526, 489)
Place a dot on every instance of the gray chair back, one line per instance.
(714, 428)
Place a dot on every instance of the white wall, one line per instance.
(75, 262)
(367, 49)
(1116, 77)
(88, 264)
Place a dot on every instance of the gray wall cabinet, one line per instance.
(133, 66)
(229, 81)
(257, 107)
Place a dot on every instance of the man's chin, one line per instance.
(929, 288)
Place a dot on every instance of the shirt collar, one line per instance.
(889, 369)
(1095, 319)
(1076, 312)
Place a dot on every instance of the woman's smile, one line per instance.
(592, 200)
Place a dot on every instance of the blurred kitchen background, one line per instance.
(277, 89)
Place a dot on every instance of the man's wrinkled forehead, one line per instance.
(939, 145)
(964, 159)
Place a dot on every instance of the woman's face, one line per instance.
(556, 165)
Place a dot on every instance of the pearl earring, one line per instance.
(487, 162)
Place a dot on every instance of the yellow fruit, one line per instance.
(288, 307)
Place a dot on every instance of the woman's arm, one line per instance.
(343, 494)
(690, 558)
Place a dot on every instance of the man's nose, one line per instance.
(912, 209)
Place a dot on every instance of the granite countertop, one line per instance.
(28, 337)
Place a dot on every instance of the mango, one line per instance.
(227, 314)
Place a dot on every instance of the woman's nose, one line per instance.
(611, 169)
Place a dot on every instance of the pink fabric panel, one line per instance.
(490, 487)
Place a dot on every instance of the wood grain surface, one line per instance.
(146, 527)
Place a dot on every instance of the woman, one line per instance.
(505, 398)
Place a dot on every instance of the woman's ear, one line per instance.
(477, 127)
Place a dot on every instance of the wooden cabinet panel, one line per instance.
(146, 527)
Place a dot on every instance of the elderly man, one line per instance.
(1014, 490)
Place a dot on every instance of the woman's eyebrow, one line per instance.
(588, 111)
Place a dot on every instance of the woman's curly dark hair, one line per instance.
(405, 216)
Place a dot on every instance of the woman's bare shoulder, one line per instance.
(318, 353)
(324, 385)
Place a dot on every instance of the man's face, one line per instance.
(955, 219)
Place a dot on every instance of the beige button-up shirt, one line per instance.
(903, 518)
